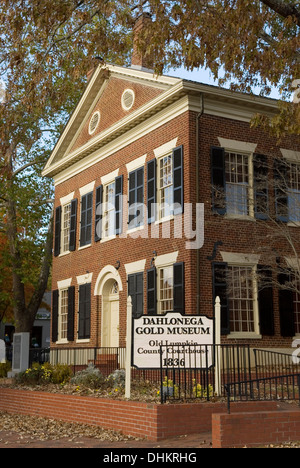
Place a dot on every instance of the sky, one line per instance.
(204, 76)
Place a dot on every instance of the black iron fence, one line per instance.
(275, 388)
(202, 371)
(270, 363)
(39, 355)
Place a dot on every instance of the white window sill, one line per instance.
(295, 224)
(62, 341)
(135, 229)
(165, 219)
(83, 340)
(244, 336)
(67, 252)
(106, 239)
(84, 247)
(240, 217)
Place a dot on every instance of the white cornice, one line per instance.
(179, 96)
(122, 141)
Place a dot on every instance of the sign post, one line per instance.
(128, 349)
(218, 343)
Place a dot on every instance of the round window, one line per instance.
(94, 122)
(128, 99)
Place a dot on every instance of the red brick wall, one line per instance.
(236, 235)
(255, 429)
(110, 107)
(146, 420)
(240, 236)
(128, 250)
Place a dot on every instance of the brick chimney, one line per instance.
(139, 60)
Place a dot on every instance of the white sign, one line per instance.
(173, 340)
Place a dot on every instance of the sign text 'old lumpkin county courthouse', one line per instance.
(153, 335)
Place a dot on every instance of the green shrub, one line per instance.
(90, 377)
(4, 368)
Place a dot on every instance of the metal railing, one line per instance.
(201, 371)
(107, 360)
(272, 363)
(275, 388)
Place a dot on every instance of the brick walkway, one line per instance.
(15, 440)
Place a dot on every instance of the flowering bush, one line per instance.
(41, 374)
(200, 391)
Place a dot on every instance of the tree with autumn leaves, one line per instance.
(47, 48)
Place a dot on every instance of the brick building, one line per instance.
(137, 153)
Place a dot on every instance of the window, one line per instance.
(237, 184)
(136, 198)
(136, 291)
(109, 211)
(294, 193)
(165, 290)
(65, 233)
(166, 198)
(242, 300)
(297, 309)
(86, 219)
(63, 315)
(84, 318)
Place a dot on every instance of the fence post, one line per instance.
(128, 349)
(217, 346)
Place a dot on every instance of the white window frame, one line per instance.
(65, 230)
(108, 210)
(256, 333)
(250, 185)
(297, 311)
(292, 192)
(160, 204)
(160, 299)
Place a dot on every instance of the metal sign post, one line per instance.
(128, 349)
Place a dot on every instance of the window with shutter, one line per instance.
(86, 219)
(281, 190)
(151, 190)
(57, 234)
(73, 225)
(54, 318)
(63, 315)
(178, 288)
(118, 204)
(136, 198)
(261, 191)
(98, 213)
(84, 317)
(71, 313)
(151, 292)
(136, 291)
(265, 300)
(286, 306)
(218, 180)
(178, 180)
